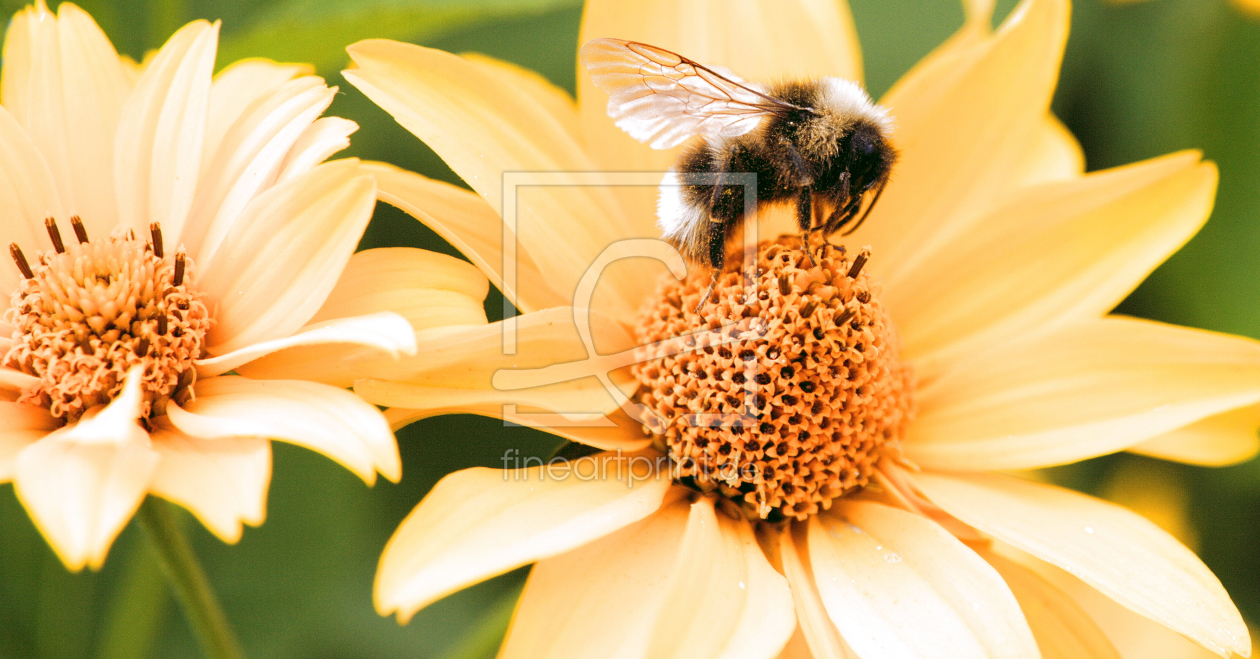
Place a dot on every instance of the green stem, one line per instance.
(188, 581)
(137, 606)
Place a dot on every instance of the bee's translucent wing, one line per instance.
(663, 98)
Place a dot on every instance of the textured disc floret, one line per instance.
(88, 312)
(792, 388)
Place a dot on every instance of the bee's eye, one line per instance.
(864, 146)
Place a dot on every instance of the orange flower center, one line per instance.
(797, 410)
(88, 312)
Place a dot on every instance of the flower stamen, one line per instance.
(858, 263)
(80, 231)
(155, 230)
(20, 259)
(89, 312)
(55, 234)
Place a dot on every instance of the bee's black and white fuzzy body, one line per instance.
(823, 159)
(819, 144)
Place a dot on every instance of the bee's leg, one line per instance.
(840, 203)
(708, 292)
(879, 191)
(804, 209)
(717, 256)
(843, 214)
(805, 219)
(820, 221)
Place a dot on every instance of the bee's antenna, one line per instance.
(708, 293)
(883, 184)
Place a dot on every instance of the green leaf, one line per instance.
(317, 31)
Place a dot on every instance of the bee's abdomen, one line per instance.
(721, 162)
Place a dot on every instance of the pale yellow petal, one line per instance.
(69, 101)
(466, 221)
(331, 421)
(583, 411)
(961, 146)
(80, 496)
(398, 271)
(237, 86)
(13, 381)
(761, 42)
(917, 93)
(640, 198)
(1063, 252)
(471, 356)
(979, 10)
(820, 634)
(878, 568)
(465, 369)
(248, 159)
(401, 417)
(797, 647)
(602, 599)
(320, 140)
(1134, 636)
(723, 598)
(95, 87)
(133, 69)
(368, 337)
(285, 253)
(426, 288)
(161, 134)
(27, 196)
(116, 423)
(223, 481)
(11, 444)
(1088, 389)
(578, 400)
(22, 425)
(82, 483)
(1062, 629)
(18, 74)
(554, 100)
(1055, 156)
(612, 431)
(484, 130)
(1116, 551)
(1216, 441)
(478, 523)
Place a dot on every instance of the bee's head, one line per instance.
(866, 141)
(870, 154)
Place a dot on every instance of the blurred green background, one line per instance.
(1139, 80)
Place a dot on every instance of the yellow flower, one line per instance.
(169, 227)
(978, 319)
